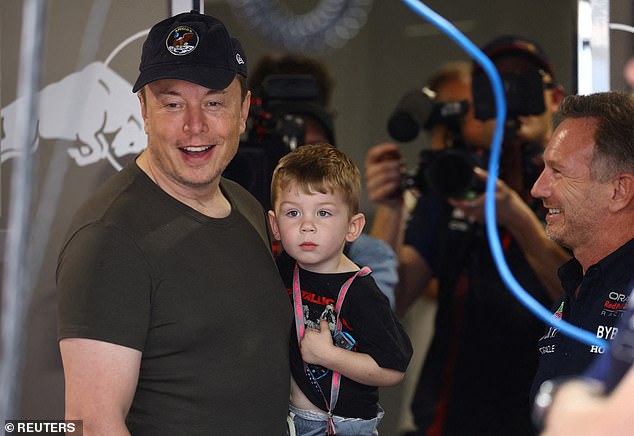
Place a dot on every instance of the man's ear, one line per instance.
(244, 111)
(623, 192)
(355, 227)
(273, 224)
(141, 96)
(558, 95)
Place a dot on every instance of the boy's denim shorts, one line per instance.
(308, 423)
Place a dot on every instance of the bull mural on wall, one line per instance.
(94, 107)
(87, 106)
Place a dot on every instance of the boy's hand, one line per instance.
(317, 348)
(317, 344)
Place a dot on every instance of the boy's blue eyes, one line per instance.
(295, 213)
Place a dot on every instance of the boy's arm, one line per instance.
(317, 348)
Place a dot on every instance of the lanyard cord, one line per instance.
(300, 329)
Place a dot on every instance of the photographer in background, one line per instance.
(290, 94)
(479, 367)
(291, 107)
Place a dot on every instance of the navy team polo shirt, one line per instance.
(602, 299)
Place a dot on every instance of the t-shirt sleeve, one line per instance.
(103, 288)
(376, 328)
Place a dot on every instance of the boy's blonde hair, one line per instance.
(319, 168)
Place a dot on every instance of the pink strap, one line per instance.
(297, 304)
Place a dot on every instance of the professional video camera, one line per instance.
(448, 172)
(275, 126)
(524, 93)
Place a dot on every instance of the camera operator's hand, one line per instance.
(383, 175)
(516, 217)
(508, 203)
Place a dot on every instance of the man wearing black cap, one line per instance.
(479, 367)
(172, 316)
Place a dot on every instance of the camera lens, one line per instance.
(451, 175)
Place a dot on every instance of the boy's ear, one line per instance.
(355, 227)
(273, 224)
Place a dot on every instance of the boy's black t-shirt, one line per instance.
(366, 315)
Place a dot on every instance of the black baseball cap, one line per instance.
(192, 47)
(514, 45)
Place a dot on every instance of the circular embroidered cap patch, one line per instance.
(182, 40)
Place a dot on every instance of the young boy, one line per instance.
(315, 195)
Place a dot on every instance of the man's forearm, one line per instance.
(388, 226)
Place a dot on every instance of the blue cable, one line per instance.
(489, 205)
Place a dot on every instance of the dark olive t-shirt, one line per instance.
(199, 297)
